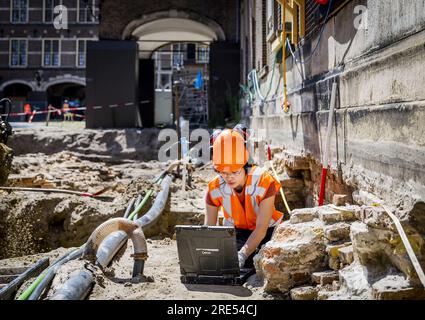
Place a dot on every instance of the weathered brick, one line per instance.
(304, 293)
(291, 183)
(337, 232)
(295, 162)
(346, 255)
(334, 263)
(303, 215)
(377, 217)
(340, 199)
(396, 287)
(330, 215)
(333, 250)
(324, 277)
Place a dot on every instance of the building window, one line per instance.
(264, 31)
(81, 53)
(202, 54)
(51, 53)
(19, 10)
(86, 10)
(48, 9)
(270, 17)
(18, 52)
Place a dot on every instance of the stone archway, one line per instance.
(173, 14)
(155, 30)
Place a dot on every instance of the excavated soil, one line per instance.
(35, 225)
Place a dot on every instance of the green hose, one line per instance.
(25, 295)
(143, 202)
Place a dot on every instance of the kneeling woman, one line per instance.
(245, 192)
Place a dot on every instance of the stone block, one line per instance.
(324, 277)
(294, 252)
(304, 293)
(346, 255)
(331, 215)
(295, 162)
(291, 183)
(377, 217)
(354, 281)
(303, 215)
(396, 287)
(340, 199)
(324, 294)
(337, 232)
(333, 250)
(336, 285)
(334, 263)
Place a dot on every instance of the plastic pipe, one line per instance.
(49, 275)
(112, 244)
(76, 287)
(8, 291)
(158, 206)
(132, 230)
(327, 145)
(110, 247)
(100, 233)
(130, 205)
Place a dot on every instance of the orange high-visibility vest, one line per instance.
(257, 183)
(27, 108)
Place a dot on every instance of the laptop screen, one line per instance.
(207, 250)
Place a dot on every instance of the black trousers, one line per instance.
(242, 235)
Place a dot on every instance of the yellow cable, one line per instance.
(281, 188)
(407, 245)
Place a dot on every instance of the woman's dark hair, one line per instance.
(247, 167)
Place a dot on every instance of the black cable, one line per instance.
(86, 2)
(318, 41)
(9, 102)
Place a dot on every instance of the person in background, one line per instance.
(27, 111)
(66, 113)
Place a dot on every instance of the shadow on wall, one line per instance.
(317, 73)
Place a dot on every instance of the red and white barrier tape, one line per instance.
(127, 104)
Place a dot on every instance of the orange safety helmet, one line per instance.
(229, 151)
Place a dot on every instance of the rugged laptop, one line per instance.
(208, 255)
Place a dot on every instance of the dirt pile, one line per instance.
(34, 222)
(104, 145)
(6, 156)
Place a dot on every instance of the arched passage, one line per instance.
(131, 101)
(17, 91)
(73, 93)
(165, 37)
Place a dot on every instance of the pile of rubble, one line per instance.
(343, 252)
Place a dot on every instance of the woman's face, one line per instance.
(234, 179)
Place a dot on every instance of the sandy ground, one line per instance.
(162, 273)
(163, 268)
(126, 179)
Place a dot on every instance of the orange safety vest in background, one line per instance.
(257, 183)
(27, 108)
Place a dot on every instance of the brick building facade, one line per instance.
(39, 62)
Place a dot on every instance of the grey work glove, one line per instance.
(242, 258)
